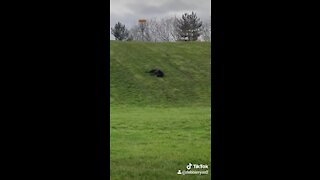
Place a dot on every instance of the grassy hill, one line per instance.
(187, 73)
(159, 125)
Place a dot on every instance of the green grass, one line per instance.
(159, 125)
(153, 143)
(187, 68)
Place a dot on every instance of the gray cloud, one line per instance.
(129, 11)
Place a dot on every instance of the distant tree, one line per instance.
(189, 27)
(134, 33)
(140, 32)
(130, 37)
(144, 32)
(120, 32)
(160, 30)
(152, 26)
(166, 29)
(206, 31)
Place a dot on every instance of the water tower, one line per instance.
(142, 25)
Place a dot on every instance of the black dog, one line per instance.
(156, 72)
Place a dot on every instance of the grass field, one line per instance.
(159, 125)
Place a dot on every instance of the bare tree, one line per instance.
(206, 31)
(140, 33)
(162, 30)
(169, 29)
(153, 25)
(165, 29)
(134, 33)
(174, 33)
(145, 30)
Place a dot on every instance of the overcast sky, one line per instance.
(129, 11)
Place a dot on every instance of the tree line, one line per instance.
(187, 28)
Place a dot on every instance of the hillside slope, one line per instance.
(187, 68)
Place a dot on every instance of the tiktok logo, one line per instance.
(189, 166)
